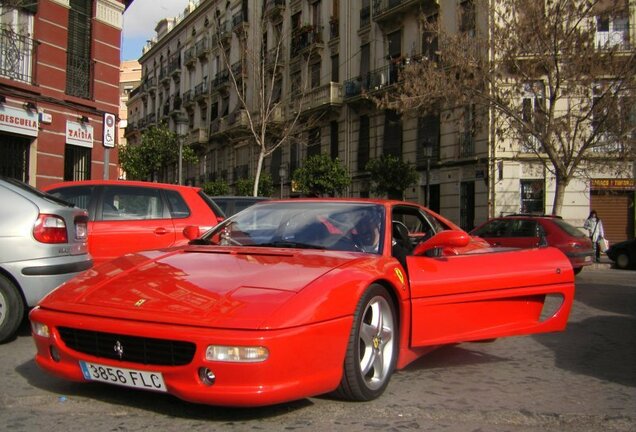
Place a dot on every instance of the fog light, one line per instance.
(236, 354)
(206, 376)
(40, 329)
(55, 354)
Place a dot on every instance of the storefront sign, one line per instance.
(615, 184)
(18, 121)
(109, 130)
(80, 134)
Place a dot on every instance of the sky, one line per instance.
(140, 20)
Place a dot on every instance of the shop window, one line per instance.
(77, 163)
(532, 196)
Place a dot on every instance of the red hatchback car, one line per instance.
(526, 231)
(129, 216)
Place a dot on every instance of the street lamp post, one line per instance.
(282, 173)
(182, 129)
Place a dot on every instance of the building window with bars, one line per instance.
(17, 50)
(532, 196)
(79, 67)
(77, 163)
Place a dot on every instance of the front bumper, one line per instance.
(303, 361)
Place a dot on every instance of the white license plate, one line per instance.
(125, 377)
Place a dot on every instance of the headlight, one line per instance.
(40, 329)
(237, 354)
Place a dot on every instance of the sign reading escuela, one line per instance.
(18, 121)
(79, 134)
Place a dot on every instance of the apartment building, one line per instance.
(59, 74)
(129, 79)
(333, 55)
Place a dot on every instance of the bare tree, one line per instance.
(557, 78)
(273, 118)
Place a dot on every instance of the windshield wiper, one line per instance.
(291, 244)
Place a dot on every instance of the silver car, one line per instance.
(43, 243)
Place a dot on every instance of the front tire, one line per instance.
(11, 309)
(622, 260)
(373, 347)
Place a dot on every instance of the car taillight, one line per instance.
(50, 229)
(81, 228)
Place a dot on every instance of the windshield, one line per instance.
(306, 225)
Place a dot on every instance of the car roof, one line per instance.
(119, 183)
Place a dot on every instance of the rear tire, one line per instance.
(622, 261)
(11, 309)
(373, 347)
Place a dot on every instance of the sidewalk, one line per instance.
(605, 263)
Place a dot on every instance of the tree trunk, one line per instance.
(257, 176)
(559, 194)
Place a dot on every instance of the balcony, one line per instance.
(237, 123)
(202, 48)
(174, 66)
(198, 136)
(151, 119)
(376, 80)
(217, 126)
(188, 99)
(201, 91)
(386, 11)
(275, 57)
(334, 28)
(176, 104)
(365, 16)
(274, 9)
(164, 76)
(615, 38)
(238, 70)
(17, 56)
(239, 22)
(189, 57)
(306, 40)
(221, 82)
(131, 128)
(323, 97)
(165, 109)
(223, 34)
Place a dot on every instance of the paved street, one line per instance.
(581, 380)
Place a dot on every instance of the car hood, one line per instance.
(197, 285)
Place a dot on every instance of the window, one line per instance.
(313, 142)
(16, 46)
(467, 17)
(363, 143)
(467, 205)
(333, 128)
(77, 163)
(78, 55)
(430, 39)
(612, 31)
(524, 228)
(533, 114)
(428, 139)
(335, 68)
(532, 196)
(365, 62)
(131, 203)
(178, 207)
(466, 135)
(392, 144)
(315, 75)
(14, 162)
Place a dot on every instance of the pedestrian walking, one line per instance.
(595, 230)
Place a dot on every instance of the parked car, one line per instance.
(128, 216)
(234, 204)
(525, 231)
(43, 243)
(623, 254)
(294, 298)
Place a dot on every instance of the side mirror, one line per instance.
(191, 232)
(444, 239)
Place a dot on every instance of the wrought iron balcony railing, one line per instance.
(17, 56)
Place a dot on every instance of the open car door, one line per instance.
(486, 293)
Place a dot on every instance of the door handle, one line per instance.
(161, 231)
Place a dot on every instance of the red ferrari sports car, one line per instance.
(295, 298)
